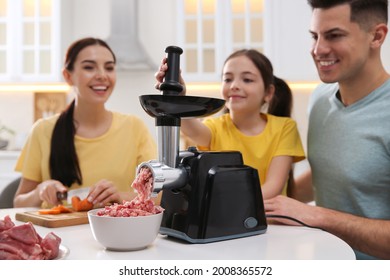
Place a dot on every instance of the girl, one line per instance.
(269, 142)
(86, 145)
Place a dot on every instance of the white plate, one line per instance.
(62, 253)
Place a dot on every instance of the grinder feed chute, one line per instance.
(169, 107)
(207, 196)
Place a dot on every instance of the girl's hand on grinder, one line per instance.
(160, 75)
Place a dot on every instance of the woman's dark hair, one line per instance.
(281, 103)
(63, 163)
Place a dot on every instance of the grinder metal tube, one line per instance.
(168, 144)
(168, 126)
(165, 177)
(165, 171)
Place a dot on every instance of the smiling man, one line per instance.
(349, 129)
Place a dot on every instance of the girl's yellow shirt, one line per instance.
(279, 138)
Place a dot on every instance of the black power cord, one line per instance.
(292, 219)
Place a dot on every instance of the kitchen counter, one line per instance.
(278, 243)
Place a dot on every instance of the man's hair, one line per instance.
(366, 13)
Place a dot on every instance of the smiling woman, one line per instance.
(85, 145)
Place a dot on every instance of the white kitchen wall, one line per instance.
(287, 40)
(16, 112)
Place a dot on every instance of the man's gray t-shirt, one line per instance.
(349, 151)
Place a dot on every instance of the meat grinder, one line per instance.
(207, 196)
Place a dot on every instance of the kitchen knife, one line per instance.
(82, 193)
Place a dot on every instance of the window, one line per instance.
(3, 36)
(29, 40)
(210, 30)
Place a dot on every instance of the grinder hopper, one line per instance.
(207, 196)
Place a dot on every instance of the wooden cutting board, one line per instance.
(53, 221)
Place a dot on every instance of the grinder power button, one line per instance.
(250, 222)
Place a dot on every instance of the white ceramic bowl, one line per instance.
(124, 233)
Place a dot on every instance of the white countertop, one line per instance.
(278, 243)
(9, 154)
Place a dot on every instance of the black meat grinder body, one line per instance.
(207, 196)
(222, 199)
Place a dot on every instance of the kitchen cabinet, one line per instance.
(208, 31)
(29, 40)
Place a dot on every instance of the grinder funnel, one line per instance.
(180, 106)
(169, 107)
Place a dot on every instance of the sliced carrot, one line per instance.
(85, 205)
(55, 210)
(81, 205)
(49, 211)
(75, 203)
(64, 209)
